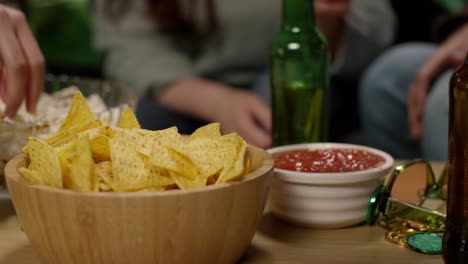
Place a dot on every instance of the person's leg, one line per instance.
(383, 99)
(155, 117)
(434, 140)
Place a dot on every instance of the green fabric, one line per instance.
(452, 5)
(63, 31)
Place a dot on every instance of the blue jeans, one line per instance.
(383, 105)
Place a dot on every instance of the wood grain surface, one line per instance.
(275, 242)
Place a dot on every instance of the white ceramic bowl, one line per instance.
(325, 200)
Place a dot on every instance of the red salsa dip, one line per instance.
(327, 160)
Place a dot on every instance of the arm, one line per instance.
(331, 20)
(448, 54)
(237, 110)
(21, 62)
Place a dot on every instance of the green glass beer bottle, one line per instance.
(299, 77)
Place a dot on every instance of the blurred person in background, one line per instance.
(193, 62)
(21, 62)
(404, 93)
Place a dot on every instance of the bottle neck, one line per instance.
(298, 15)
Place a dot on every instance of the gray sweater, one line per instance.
(138, 54)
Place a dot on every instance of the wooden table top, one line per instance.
(274, 242)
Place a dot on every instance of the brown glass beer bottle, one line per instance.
(455, 244)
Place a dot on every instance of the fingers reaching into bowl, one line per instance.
(21, 62)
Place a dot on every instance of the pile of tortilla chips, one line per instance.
(85, 155)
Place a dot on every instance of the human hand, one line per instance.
(333, 8)
(449, 54)
(243, 112)
(237, 110)
(21, 62)
(330, 16)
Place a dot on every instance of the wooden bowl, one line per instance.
(213, 224)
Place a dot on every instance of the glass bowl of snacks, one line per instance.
(107, 100)
(123, 194)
